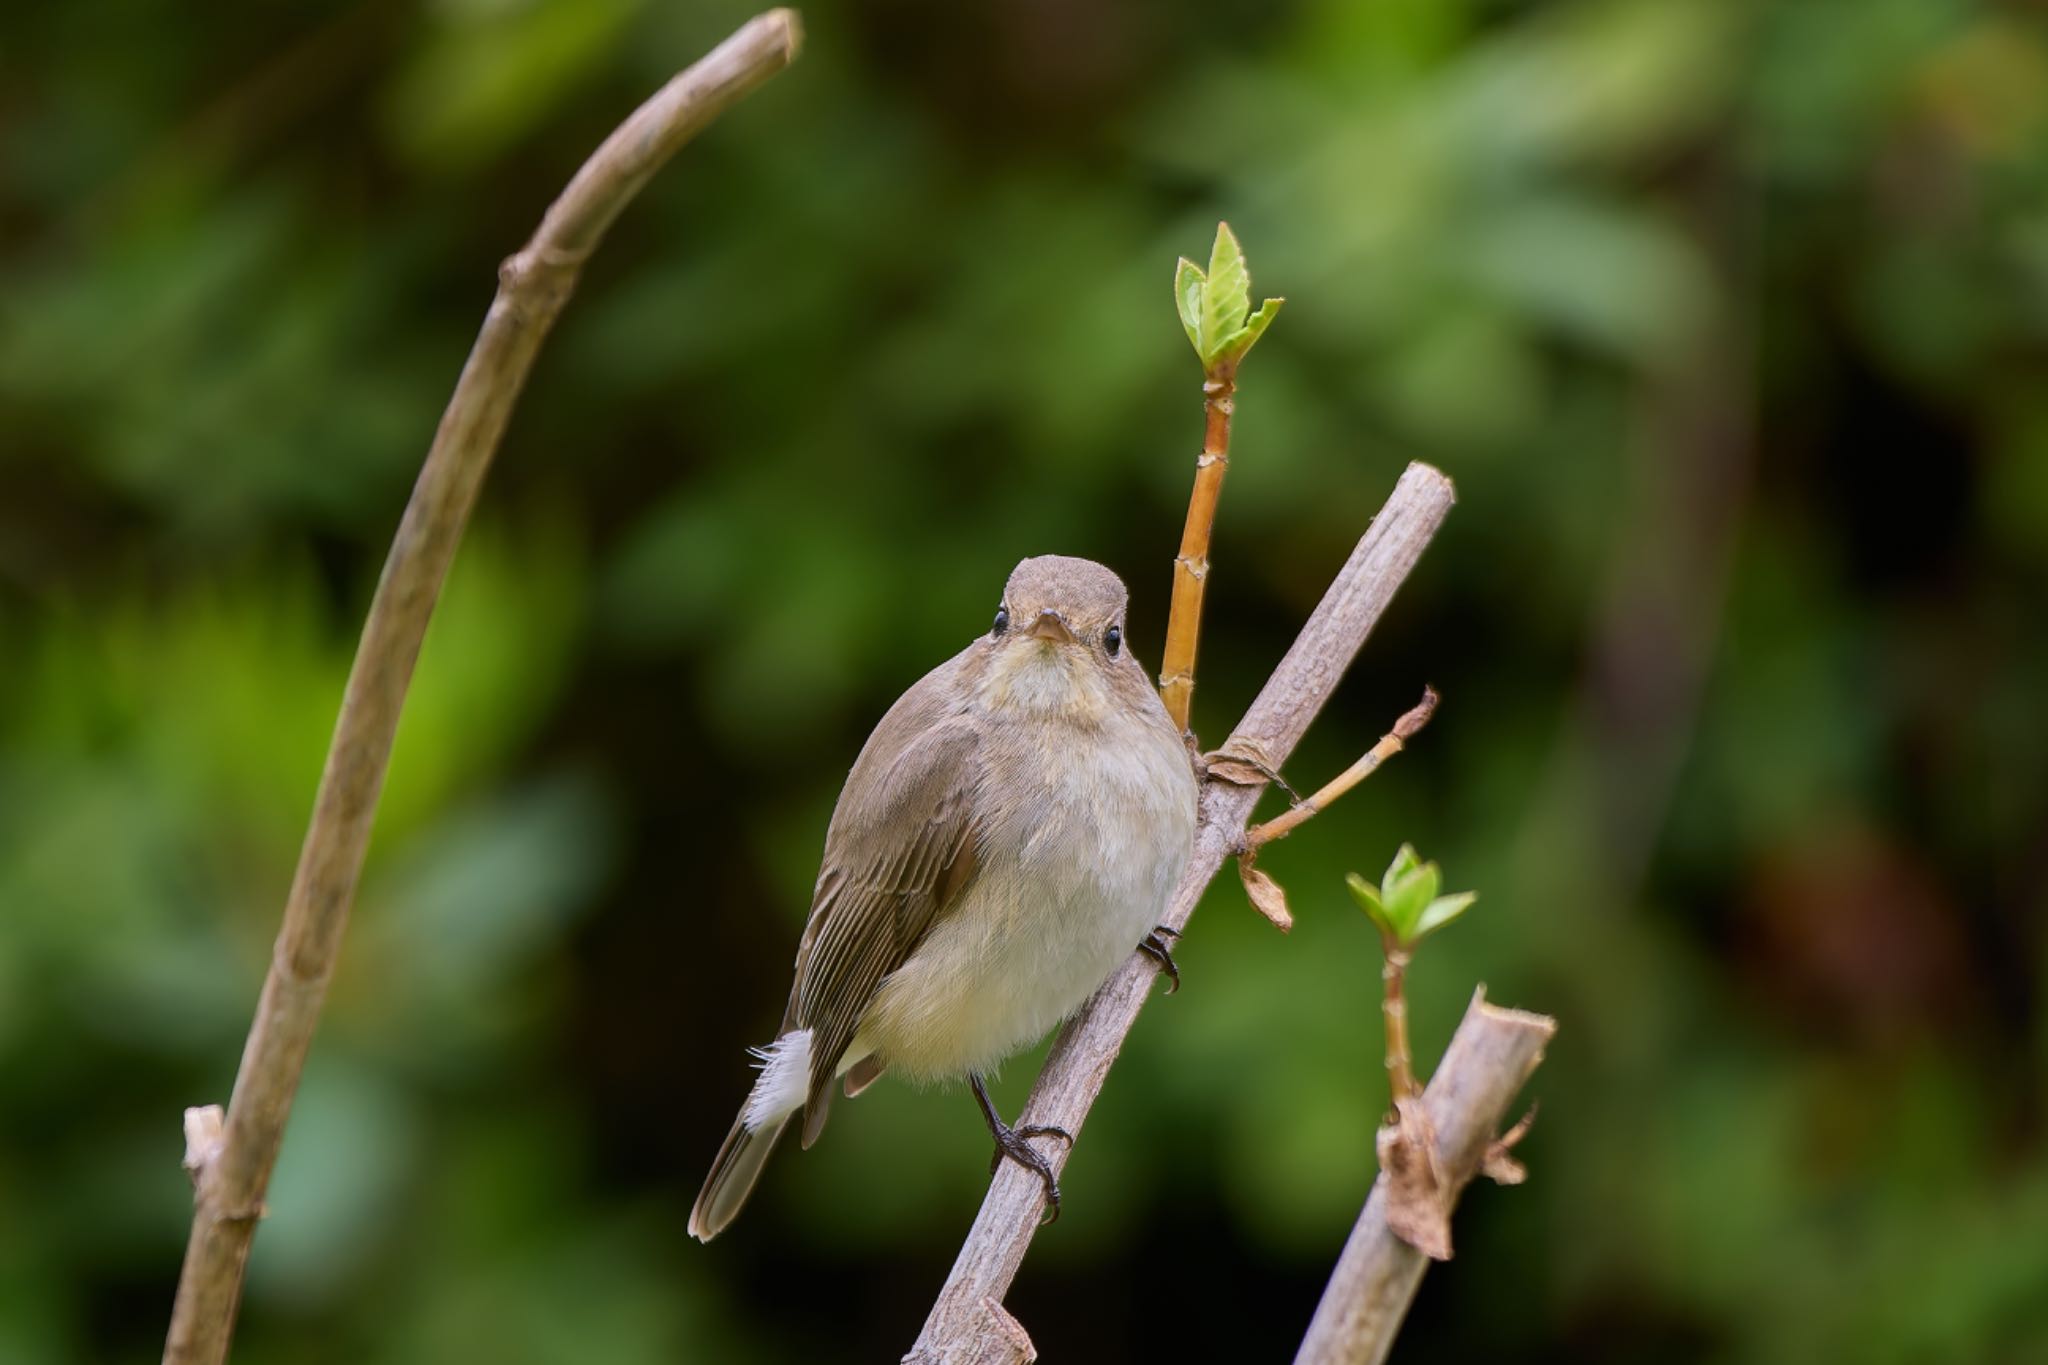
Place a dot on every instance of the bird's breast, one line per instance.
(1090, 816)
(1083, 835)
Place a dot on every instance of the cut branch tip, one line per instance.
(1417, 715)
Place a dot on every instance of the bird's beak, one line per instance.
(1048, 626)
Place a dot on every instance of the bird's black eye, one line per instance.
(1113, 640)
(1002, 620)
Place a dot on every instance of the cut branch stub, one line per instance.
(1490, 1059)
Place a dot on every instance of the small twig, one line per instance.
(1488, 1062)
(1238, 761)
(1390, 744)
(1081, 1057)
(1499, 1164)
(1191, 565)
(533, 285)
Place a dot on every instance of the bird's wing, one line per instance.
(900, 849)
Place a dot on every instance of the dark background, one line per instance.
(1728, 317)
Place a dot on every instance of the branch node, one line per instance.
(204, 1129)
(1419, 1194)
(1243, 762)
(246, 1213)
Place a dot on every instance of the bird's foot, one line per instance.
(1154, 946)
(1015, 1144)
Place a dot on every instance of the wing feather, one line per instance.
(899, 852)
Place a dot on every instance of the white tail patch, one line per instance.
(785, 1079)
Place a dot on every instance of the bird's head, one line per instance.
(1057, 643)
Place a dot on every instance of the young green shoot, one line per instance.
(1406, 909)
(1215, 307)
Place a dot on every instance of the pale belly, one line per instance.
(1065, 891)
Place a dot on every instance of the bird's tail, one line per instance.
(779, 1093)
(733, 1173)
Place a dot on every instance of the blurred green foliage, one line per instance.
(1729, 318)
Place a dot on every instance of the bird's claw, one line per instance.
(1154, 946)
(1014, 1143)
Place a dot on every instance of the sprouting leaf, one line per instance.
(1368, 897)
(1405, 904)
(1442, 911)
(1215, 305)
(1187, 297)
(1406, 860)
(1226, 297)
(1254, 328)
(1407, 889)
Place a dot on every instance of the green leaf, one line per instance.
(1215, 305)
(1406, 860)
(1408, 898)
(1255, 327)
(1407, 889)
(1442, 911)
(1226, 296)
(1187, 297)
(1368, 897)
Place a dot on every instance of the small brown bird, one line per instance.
(1009, 834)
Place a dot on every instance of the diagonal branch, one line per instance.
(966, 1309)
(533, 285)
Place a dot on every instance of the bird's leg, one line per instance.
(1011, 1143)
(1154, 946)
